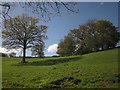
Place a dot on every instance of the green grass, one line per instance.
(94, 70)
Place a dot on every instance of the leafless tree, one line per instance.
(45, 10)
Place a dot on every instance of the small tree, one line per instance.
(21, 32)
(39, 46)
(37, 50)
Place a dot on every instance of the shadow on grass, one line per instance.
(66, 82)
(48, 62)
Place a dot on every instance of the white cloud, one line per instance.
(4, 50)
(52, 48)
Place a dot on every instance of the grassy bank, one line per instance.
(94, 70)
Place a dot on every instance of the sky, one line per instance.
(59, 26)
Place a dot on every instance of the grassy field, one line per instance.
(94, 70)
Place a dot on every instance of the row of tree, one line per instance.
(93, 36)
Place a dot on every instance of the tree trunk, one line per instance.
(24, 53)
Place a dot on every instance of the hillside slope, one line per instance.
(94, 70)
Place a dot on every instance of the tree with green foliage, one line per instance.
(37, 50)
(39, 46)
(78, 35)
(21, 32)
(108, 34)
(66, 46)
(93, 36)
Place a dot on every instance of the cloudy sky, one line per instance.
(59, 26)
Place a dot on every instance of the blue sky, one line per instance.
(59, 26)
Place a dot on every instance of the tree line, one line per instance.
(92, 36)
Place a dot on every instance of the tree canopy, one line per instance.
(67, 46)
(22, 32)
(39, 46)
(92, 36)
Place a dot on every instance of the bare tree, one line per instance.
(44, 10)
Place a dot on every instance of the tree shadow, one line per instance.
(49, 62)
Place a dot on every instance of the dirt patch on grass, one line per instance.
(66, 82)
